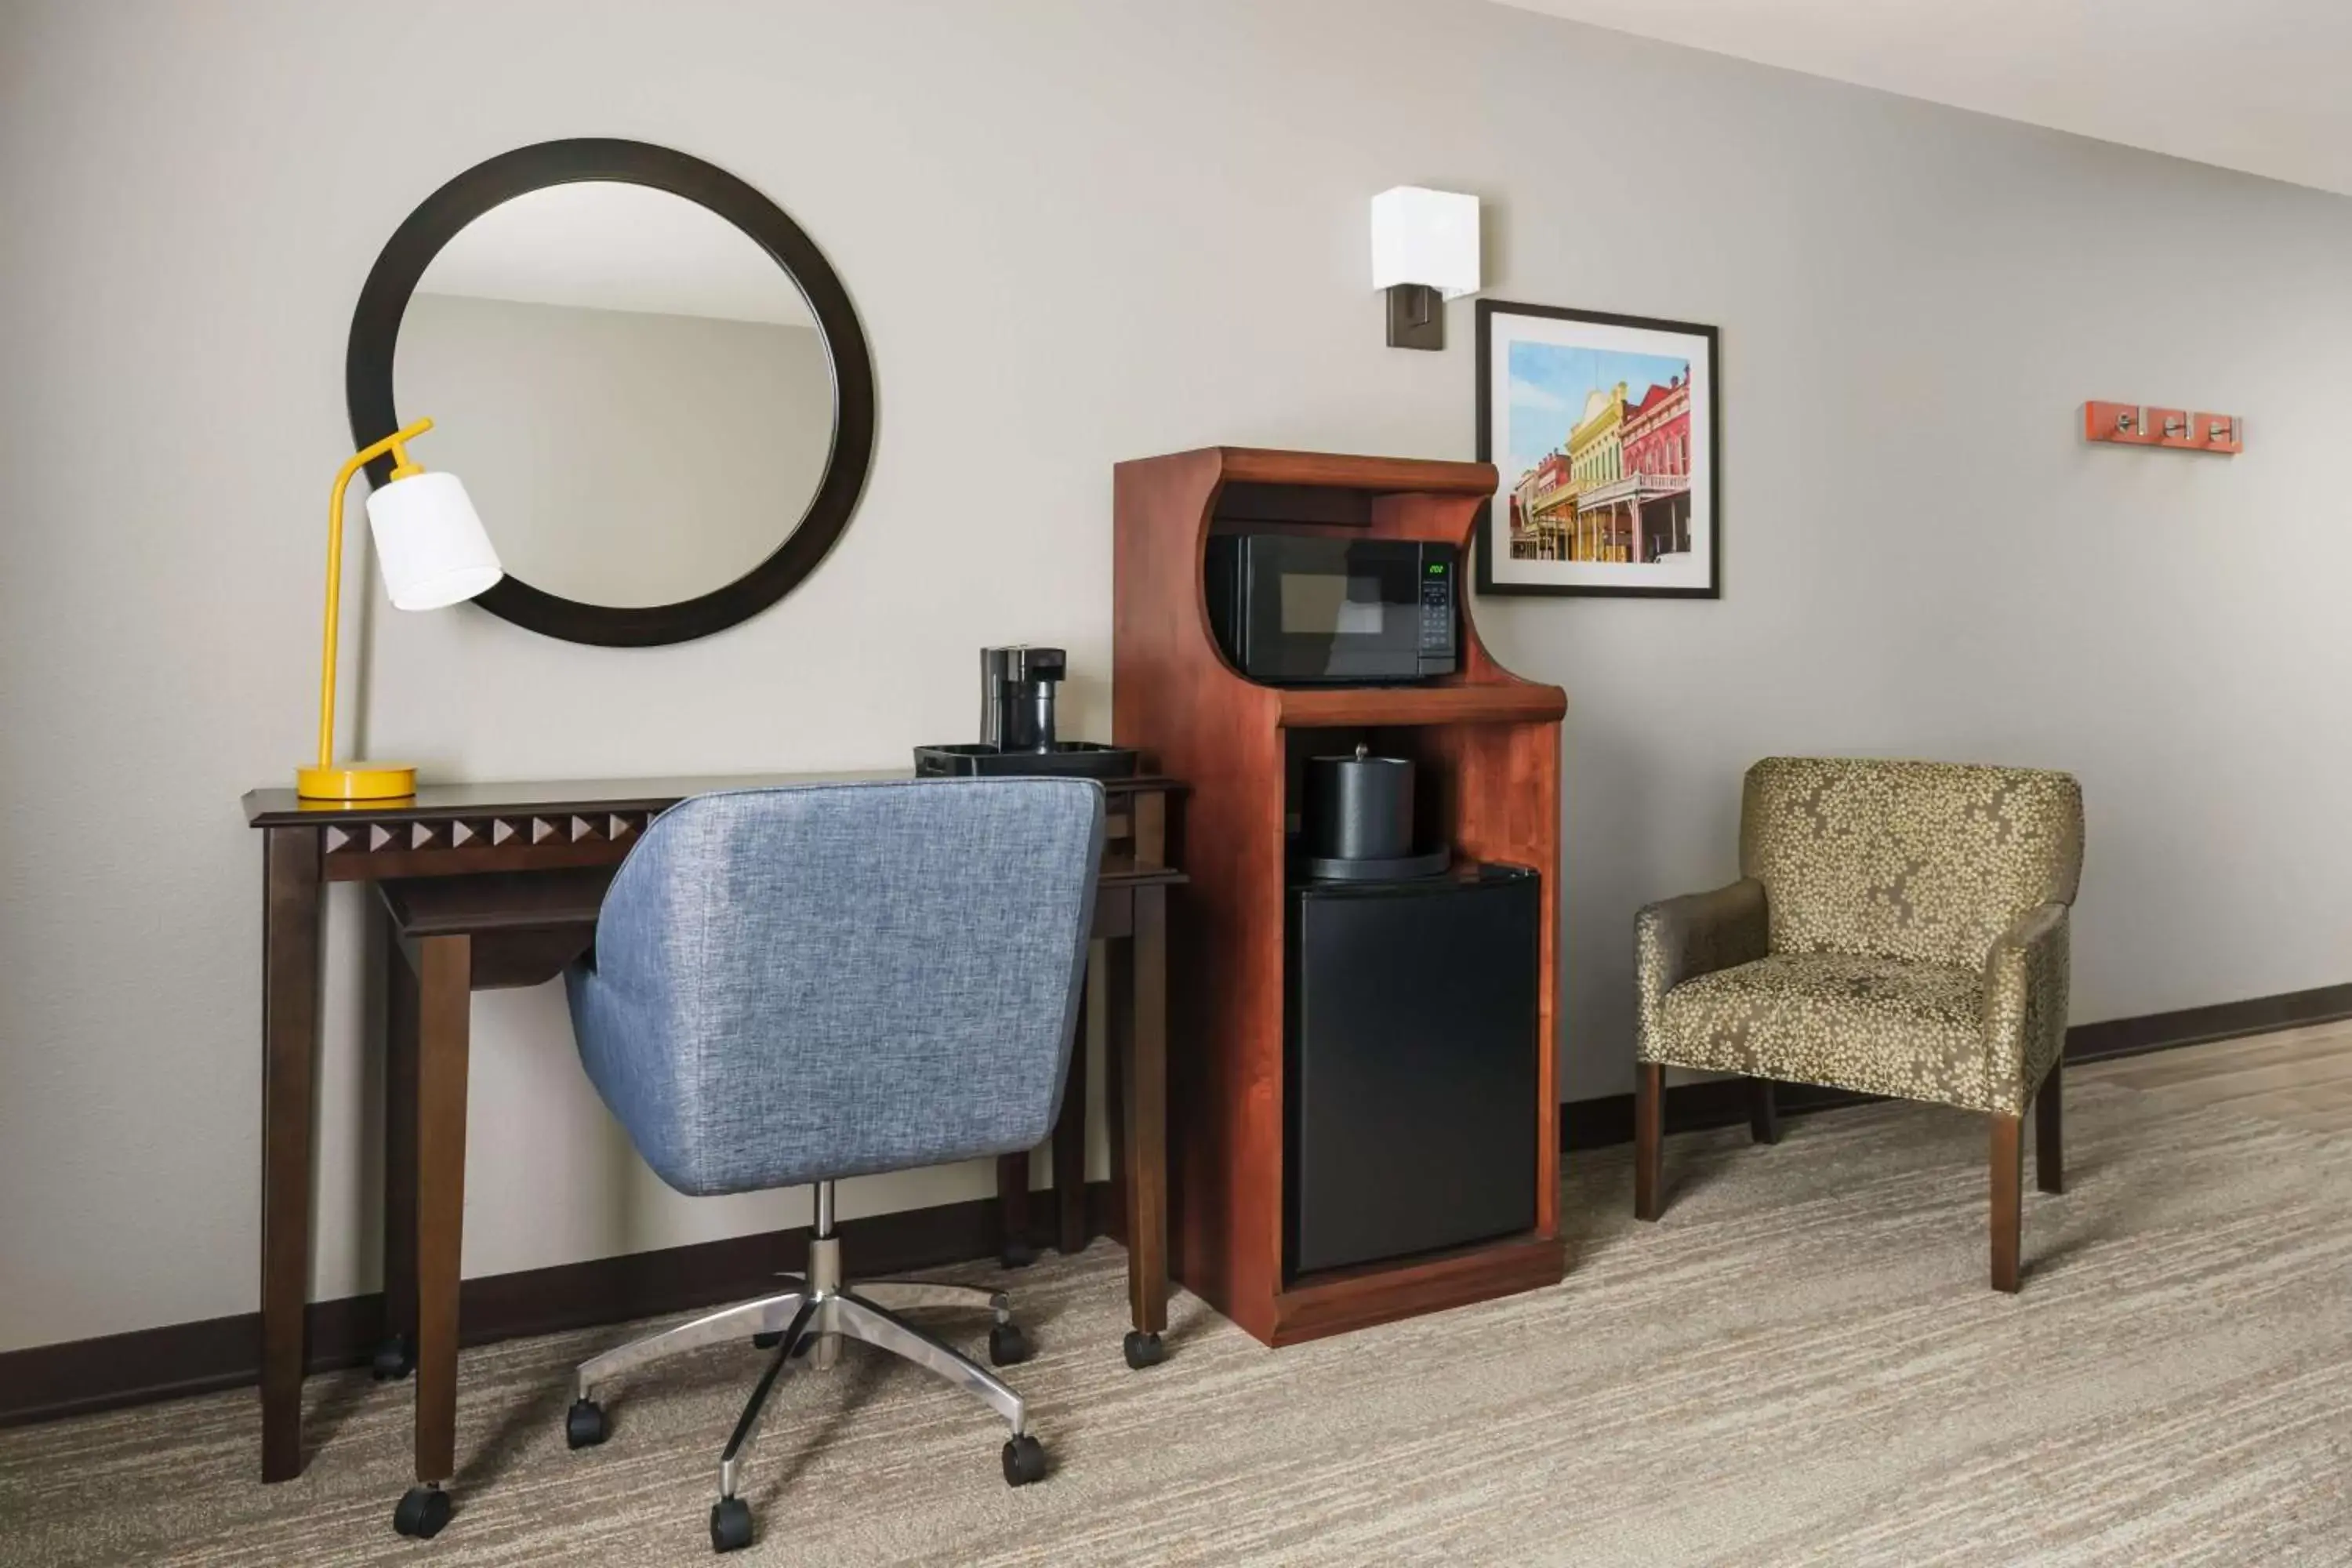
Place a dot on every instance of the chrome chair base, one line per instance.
(810, 1321)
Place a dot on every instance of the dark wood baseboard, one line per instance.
(2201, 1025)
(83, 1375)
(1690, 1107)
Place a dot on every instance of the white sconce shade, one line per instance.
(1428, 237)
(431, 544)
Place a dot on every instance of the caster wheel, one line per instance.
(1017, 1254)
(423, 1510)
(1144, 1350)
(730, 1524)
(1024, 1461)
(584, 1426)
(392, 1360)
(767, 1342)
(1008, 1345)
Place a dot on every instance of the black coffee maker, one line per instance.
(1016, 696)
(1018, 685)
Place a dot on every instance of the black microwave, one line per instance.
(1292, 609)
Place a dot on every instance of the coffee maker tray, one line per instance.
(1068, 758)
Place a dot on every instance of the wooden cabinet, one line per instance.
(1487, 746)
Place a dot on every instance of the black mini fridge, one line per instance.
(1412, 1050)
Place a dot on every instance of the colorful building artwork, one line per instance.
(1596, 455)
(1543, 510)
(1657, 431)
(1618, 489)
(1657, 441)
(1593, 446)
(1601, 429)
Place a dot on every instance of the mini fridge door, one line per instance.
(1413, 1050)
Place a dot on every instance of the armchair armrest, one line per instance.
(1698, 933)
(2025, 980)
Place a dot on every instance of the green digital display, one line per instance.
(1437, 568)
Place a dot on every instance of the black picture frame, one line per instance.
(383, 300)
(1487, 311)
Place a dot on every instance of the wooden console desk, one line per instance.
(530, 842)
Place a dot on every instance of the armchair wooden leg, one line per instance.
(1763, 1113)
(2048, 1135)
(1649, 1139)
(2008, 1200)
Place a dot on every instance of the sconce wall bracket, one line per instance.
(1416, 317)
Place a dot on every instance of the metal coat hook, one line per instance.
(2137, 425)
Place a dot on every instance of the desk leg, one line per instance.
(445, 997)
(1139, 1027)
(291, 910)
(1070, 1133)
(395, 1357)
(1013, 1246)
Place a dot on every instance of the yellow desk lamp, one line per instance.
(434, 553)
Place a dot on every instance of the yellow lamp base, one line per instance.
(361, 781)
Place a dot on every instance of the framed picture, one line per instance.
(1604, 431)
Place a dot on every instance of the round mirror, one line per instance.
(650, 381)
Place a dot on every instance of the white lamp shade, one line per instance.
(430, 542)
(1425, 237)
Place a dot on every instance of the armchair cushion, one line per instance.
(1877, 1025)
(1899, 929)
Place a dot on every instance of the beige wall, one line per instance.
(1076, 233)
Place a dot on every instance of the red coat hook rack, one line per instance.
(2133, 425)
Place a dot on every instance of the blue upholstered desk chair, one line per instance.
(796, 985)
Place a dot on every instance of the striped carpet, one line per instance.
(1801, 1364)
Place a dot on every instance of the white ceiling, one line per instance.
(609, 245)
(2263, 86)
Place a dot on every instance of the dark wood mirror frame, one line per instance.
(375, 330)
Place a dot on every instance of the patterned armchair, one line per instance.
(1899, 928)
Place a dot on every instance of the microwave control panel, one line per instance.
(1436, 608)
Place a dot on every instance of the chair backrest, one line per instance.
(1925, 861)
(827, 981)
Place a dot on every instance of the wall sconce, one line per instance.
(1424, 251)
